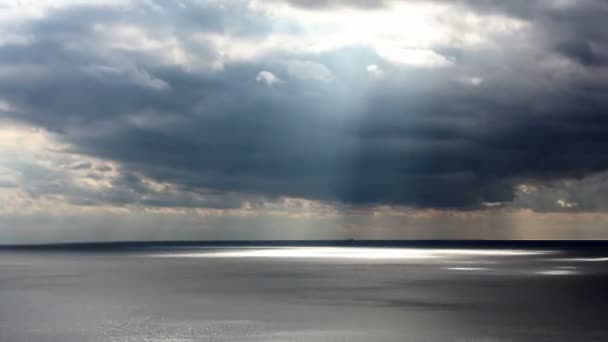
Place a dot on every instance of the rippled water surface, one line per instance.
(304, 294)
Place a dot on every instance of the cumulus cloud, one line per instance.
(453, 107)
(268, 78)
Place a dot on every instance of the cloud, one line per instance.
(308, 70)
(268, 78)
(582, 195)
(6, 106)
(413, 57)
(84, 165)
(473, 101)
(374, 71)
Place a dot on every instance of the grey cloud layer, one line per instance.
(416, 137)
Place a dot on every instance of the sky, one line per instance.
(303, 119)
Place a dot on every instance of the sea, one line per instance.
(475, 291)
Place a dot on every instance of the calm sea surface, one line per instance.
(187, 293)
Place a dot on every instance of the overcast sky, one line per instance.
(272, 119)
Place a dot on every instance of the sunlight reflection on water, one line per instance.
(581, 259)
(350, 253)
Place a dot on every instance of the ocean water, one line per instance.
(304, 293)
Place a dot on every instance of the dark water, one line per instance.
(185, 293)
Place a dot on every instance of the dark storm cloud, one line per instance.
(418, 137)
